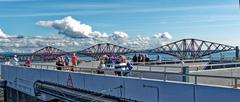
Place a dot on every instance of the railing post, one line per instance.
(150, 68)
(185, 72)
(236, 83)
(122, 73)
(195, 80)
(141, 74)
(165, 77)
(164, 69)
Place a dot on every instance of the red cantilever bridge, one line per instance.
(182, 49)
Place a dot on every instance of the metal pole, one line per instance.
(195, 80)
(141, 74)
(165, 75)
(237, 52)
(236, 83)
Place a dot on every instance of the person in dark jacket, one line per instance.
(60, 63)
(135, 58)
(147, 58)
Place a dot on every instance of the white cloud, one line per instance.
(119, 35)
(2, 34)
(72, 28)
(33, 44)
(99, 34)
(80, 36)
(165, 35)
(158, 35)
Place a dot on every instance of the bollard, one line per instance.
(185, 72)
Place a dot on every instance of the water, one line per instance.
(153, 56)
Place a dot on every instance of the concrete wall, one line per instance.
(144, 90)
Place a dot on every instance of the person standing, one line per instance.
(158, 58)
(122, 66)
(74, 61)
(135, 58)
(147, 58)
(60, 63)
(66, 60)
(101, 66)
(15, 60)
(28, 62)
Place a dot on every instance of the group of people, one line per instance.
(61, 61)
(140, 58)
(104, 61)
(15, 61)
(119, 63)
(64, 61)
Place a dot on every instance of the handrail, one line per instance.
(193, 60)
(170, 61)
(92, 69)
(190, 66)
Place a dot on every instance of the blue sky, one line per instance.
(217, 20)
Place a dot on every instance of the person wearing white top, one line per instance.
(101, 66)
(15, 60)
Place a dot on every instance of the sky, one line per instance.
(214, 20)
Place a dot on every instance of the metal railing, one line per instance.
(141, 74)
(191, 67)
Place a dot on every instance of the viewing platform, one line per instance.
(144, 83)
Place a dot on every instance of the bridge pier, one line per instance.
(237, 52)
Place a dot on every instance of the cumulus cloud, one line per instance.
(80, 36)
(32, 44)
(119, 36)
(70, 27)
(98, 34)
(165, 35)
(2, 34)
(158, 35)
